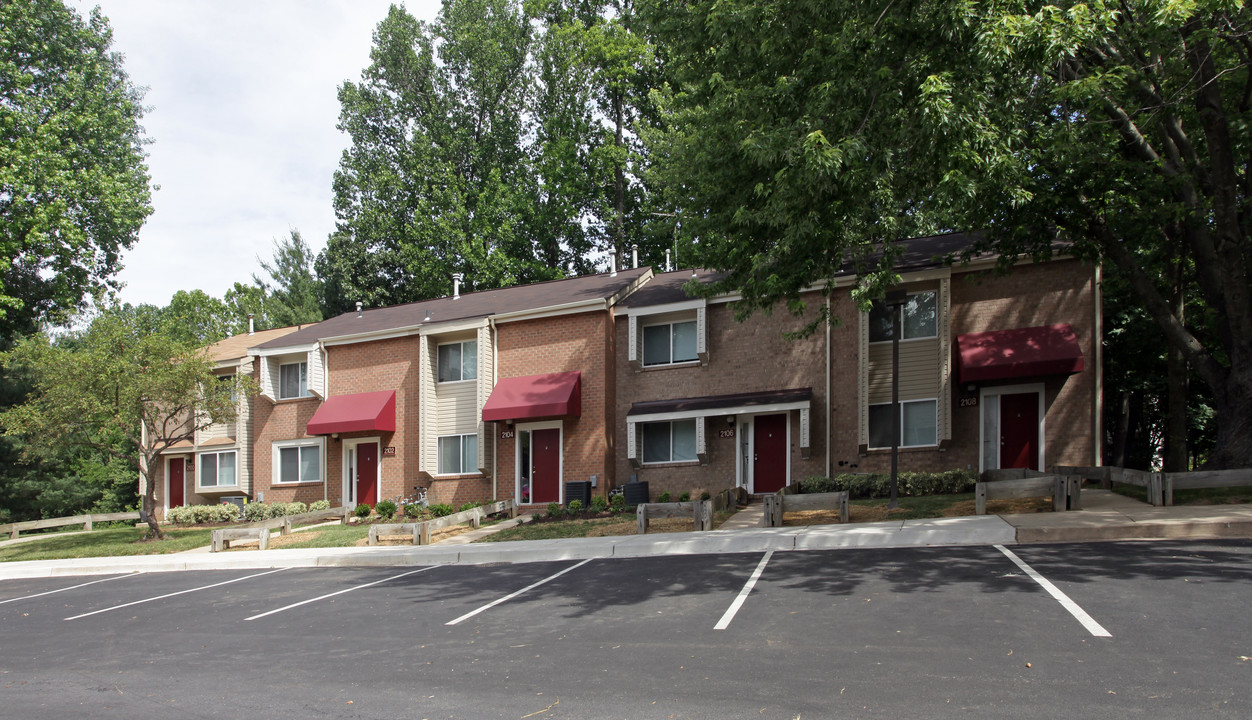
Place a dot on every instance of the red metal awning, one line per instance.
(1021, 352)
(355, 413)
(535, 396)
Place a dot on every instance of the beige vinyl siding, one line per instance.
(919, 370)
(486, 383)
(426, 405)
(456, 406)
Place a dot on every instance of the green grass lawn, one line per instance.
(562, 529)
(326, 536)
(104, 543)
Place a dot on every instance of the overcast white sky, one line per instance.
(243, 97)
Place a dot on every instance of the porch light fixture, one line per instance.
(730, 420)
(895, 300)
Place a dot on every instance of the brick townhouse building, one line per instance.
(996, 371)
(623, 376)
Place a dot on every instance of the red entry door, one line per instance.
(545, 471)
(1019, 431)
(367, 473)
(177, 478)
(769, 464)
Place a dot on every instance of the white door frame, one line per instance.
(996, 391)
(348, 483)
(745, 475)
(517, 457)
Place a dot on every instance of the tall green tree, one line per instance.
(291, 292)
(806, 131)
(74, 187)
(120, 389)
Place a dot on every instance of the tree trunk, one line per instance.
(1120, 432)
(1233, 447)
(149, 500)
(1176, 405)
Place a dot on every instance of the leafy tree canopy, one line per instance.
(804, 132)
(74, 187)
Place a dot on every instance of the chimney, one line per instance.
(358, 308)
(613, 263)
(634, 256)
(251, 325)
(456, 284)
(667, 267)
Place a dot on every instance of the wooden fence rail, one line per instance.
(15, 529)
(421, 531)
(285, 522)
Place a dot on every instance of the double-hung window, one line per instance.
(919, 318)
(458, 361)
(673, 441)
(919, 424)
(293, 380)
(458, 454)
(217, 469)
(669, 343)
(298, 462)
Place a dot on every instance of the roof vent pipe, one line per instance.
(358, 308)
(456, 284)
(251, 325)
(667, 266)
(613, 263)
(634, 256)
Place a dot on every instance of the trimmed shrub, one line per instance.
(599, 504)
(663, 497)
(469, 506)
(230, 511)
(180, 515)
(705, 495)
(442, 509)
(362, 510)
(685, 497)
(555, 510)
(617, 502)
(255, 511)
(279, 509)
(319, 505)
(575, 506)
(878, 485)
(297, 507)
(386, 509)
(413, 510)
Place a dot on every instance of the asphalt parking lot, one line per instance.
(1131, 629)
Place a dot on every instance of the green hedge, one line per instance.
(878, 485)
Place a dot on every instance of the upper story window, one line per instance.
(919, 318)
(293, 380)
(458, 361)
(217, 469)
(670, 343)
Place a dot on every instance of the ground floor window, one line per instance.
(673, 441)
(919, 424)
(458, 454)
(298, 462)
(217, 469)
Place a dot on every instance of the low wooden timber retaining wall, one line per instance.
(260, 529)
(1160, 486)
(789, 500)
(421, 531)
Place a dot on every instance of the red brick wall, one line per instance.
(751, 356)
(582, 342)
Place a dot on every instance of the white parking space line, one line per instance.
(510, 596)
(72, 587)
(1079, 614)
(339, 592)
(170, 595)
(743, 594)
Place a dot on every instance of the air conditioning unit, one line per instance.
(234, 500)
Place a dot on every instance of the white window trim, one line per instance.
(517, 455)
(200, 471)
(700, 450)
(938, 322)
(667, 314)
(347, 487)
(276, 460)
(463, 378)
(997, 390)
(307, 392)
(934, 400)
(745, 477)
(439, 455)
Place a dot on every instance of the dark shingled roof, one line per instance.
(485, 303)
(918, 253)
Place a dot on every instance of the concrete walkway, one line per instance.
(1105, 516)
